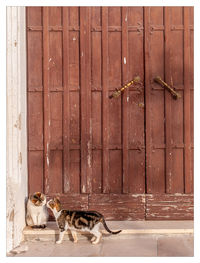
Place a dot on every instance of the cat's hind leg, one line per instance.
(74, 235)
(96, 232)
(61, 236)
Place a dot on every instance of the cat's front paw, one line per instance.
(95, 242)
(93, 239)
(58, 242)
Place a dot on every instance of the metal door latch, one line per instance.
(117, 92)
(175, 95)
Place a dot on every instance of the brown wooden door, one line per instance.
(129, 157)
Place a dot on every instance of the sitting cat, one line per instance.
(77, 221)
(37, 214)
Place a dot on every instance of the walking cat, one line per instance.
(37, 214)
(77, 221)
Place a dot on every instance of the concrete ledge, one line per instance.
(127, 227)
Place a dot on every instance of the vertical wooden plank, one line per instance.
(89, 100)
(168, 130)
(96, 73)
(96, 141)
(56, 113)
(83, 100)
(115, 168)
(35, 171)
(177, 112)
(192, 92)
(55, 172)
(86, 134)
(125, 110)
(74, 171)
(35, 121)
(136, 107)
(105, 98)
(187, 135)
(66, 111)
(157, 111)
(147, 98)
(34, 59)
(55, 16)
(46, 98)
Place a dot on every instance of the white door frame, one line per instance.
(16, 126)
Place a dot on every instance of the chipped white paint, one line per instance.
(89, 156)
(89, 146)
(74, 39)
(138, 195)
(126, 18)
(127, 99)
(47, 147)
(179, 194)
(82, 53)
(165, 208)
(47, 161)
(124, 60)
(46, 185)
(67, 186)
(50, 59)
(83, 189)
(16, 169)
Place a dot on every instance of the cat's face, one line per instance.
(38, 199)
(54, 204)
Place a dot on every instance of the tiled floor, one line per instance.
(134, 245)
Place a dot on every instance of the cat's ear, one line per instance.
(38, 194)
(57, 199)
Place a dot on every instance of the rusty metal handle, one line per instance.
(116, 93)
(165, 85)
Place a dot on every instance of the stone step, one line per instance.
(129, 228)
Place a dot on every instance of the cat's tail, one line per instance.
(107, 229)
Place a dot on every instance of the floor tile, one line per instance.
(138, 246)
(176, 246)
(128, 246)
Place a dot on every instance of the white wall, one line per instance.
(16, 167)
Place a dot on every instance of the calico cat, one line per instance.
(37, 214)
(77, 221)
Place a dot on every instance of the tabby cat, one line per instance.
(77, 221)
(37, 214)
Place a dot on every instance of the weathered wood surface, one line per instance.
(82, 142)
(169, 207)
(132, 206)
(121, 206)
